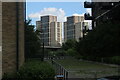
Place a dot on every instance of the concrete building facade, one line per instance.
(12, 36)
(73, 28)
(65, 32)
(103, 12)
(51, 30)
(78, 31)
(59, 33)
(38, 26)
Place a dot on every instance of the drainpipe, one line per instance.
(17, 36)
(24, 30)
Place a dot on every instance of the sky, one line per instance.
(60, 9)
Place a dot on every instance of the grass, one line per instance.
(76, 67)
(73, 63)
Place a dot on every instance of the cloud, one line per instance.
(34, 15)
(60, 13)
(75, 14)
(88, 10)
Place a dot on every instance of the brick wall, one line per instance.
(9, 25)
(0, 40)
(21, 34)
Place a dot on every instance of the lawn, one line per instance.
(77, 68)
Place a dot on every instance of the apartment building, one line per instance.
(103, 12)
(38, 26)
(73, 28)
(51, 30)
(59, 33)
(78, 31)
(65, 32)
(11, 36)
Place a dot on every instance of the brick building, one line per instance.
(12, 36)
(0, 39)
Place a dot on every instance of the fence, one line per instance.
(54, 57)
(60, 71)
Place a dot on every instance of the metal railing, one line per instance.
(54, 58)
(60, 71)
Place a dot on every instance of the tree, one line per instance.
(69, 44)
(32, 41)
(103, 41)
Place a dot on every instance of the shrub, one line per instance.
(60, 53)
(112, 60)
(71, 52)
(35, 70)
(116, 59)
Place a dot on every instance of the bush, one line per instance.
(116, 59)
(71, 52)
(112, 60)
(35, 70)
(60, 53)
(71, 43)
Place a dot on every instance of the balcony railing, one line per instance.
(88, 17)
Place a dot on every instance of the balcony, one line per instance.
(108, 6)
(88, 4)
(88, 17)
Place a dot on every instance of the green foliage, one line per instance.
(116, 59)
(71, 52)
(35, 70)
(32, 42)
(57, 53)
(9, 76)
(60, 53)
(113, 60)
(46, 52)
(71, 43)
(103, 41)
(69, 48)
(51, 53)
